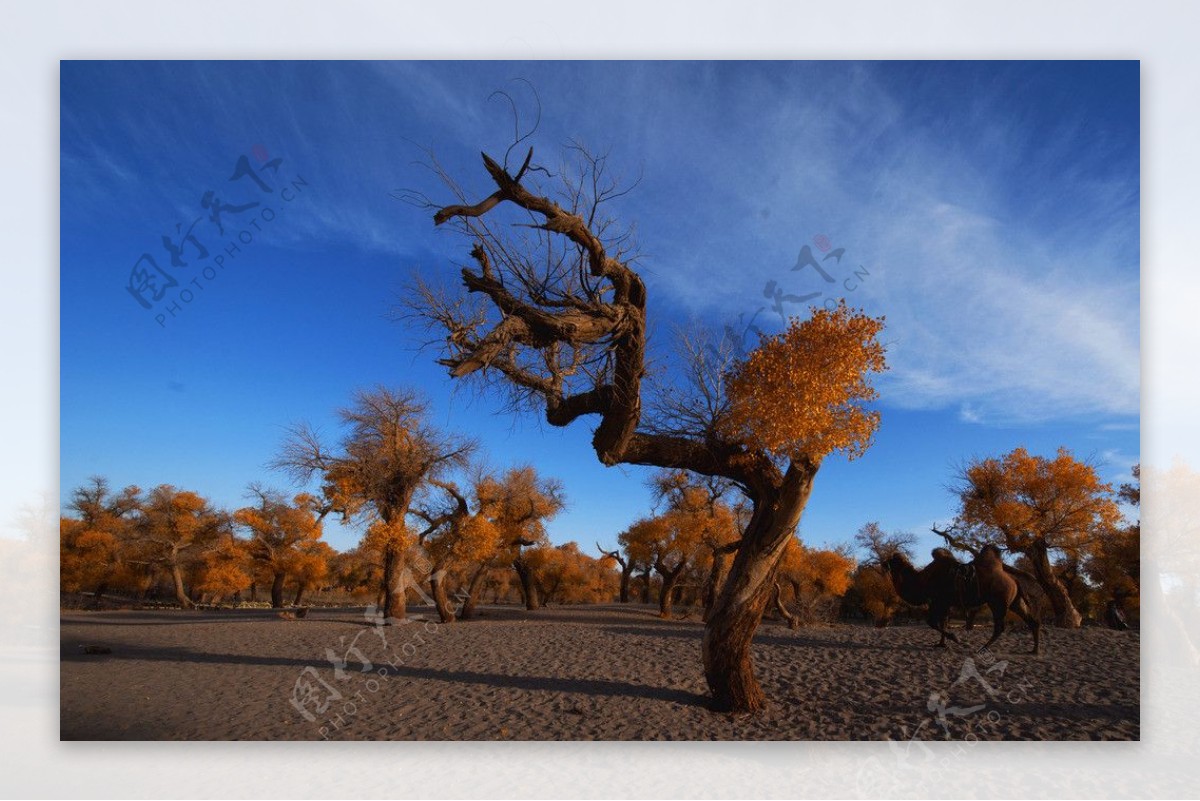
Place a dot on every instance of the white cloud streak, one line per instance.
(1004, 260)
(1011, 313)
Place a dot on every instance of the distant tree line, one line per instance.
(442, 528)
(437, 527)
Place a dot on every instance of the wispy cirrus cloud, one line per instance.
(999, 239)
(1004, 257)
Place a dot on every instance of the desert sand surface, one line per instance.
(614, 672)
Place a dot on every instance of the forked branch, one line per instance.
(581, 331)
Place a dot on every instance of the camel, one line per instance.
(946, 583)
(927, 586)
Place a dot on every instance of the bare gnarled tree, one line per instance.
(555, 314)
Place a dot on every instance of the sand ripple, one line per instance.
(573, 673)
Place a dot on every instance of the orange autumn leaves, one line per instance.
(810, 582)
(473, 539)
(827, 572)
(519, 503)
(801, 393)
(1024, 497)
(691, 525)
(383, 535)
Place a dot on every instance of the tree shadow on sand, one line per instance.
(783, 640)
(170, 618)
(596, 615)
(561, 684)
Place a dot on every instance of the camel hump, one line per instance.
(943, 553)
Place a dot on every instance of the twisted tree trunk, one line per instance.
(1065, 614)
(394, 602)
(441, 601)
(740, 604)
(181, 595)
(529, 590)
(627, 568)
(716, 577)
(473, 589)
(609, 319)
(626, 573)
(793, 621)
(666, 595)
(277, 589)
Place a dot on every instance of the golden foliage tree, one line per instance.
(817, 578)
(562, 325)
(694, 526)
(173, 530)
(876, 594)
(566, 575)
(599, 583)
(388, 451)
(92, 545)
(282, 536)
(549, 569)
(453, 541)
(803, 391)
(310, 567)
(355, 572)
(1036, 506)
(664, 548)
(225, 569)
(519, 503)
(696, 503)
(385, 546)
(1114, 563)
(871, 586)
(624, 565)
(637, 541)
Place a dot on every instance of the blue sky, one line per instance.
(989, 210)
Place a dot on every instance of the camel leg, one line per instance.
(945, 631)
(937, 620)
(1022, 609)
(931, 619)
(997, 623)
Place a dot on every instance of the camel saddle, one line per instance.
(966, 586)
(966, 579)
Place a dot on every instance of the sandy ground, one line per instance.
(572, 673)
